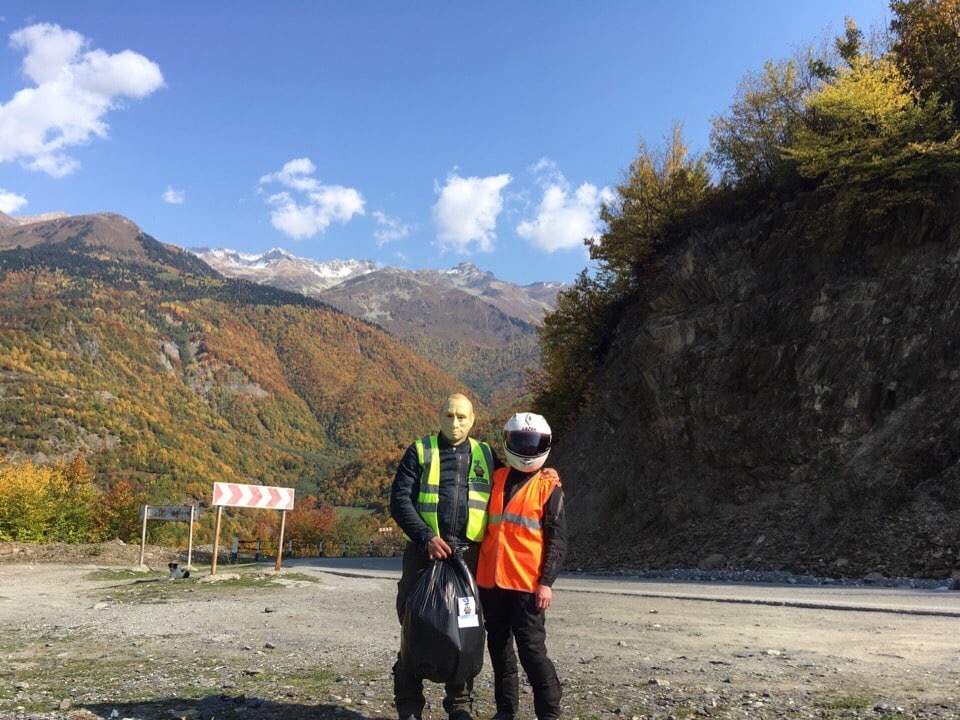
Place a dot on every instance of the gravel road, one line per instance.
(317, 639)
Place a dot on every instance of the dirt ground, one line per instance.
(86, 637)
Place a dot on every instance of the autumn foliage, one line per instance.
(60, 503)
(46, 503)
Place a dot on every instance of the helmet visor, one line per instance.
(526, 443)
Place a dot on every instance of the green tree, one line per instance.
(660, 189)
(850, 46)
(658, 192)
(770, 107)
(46, 503)
(571, 342)
(350, 529)
(927, 47)
(874, 144)
(747, 143)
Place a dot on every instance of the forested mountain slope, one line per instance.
(478, 328)
(161, 371)
(453, 324)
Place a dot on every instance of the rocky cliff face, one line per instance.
(775, 408)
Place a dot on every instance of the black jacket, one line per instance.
(454, 486)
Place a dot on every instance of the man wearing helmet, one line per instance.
(439, 499)
(520, 558)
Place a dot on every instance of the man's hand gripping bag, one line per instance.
(443, 636)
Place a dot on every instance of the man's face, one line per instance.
(456, 419)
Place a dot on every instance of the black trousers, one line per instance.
(512, 615)
(407, 687)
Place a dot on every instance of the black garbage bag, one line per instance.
(443, 635)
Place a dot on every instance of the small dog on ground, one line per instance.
(176, 573)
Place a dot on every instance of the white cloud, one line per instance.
(294, 175)
(11, 202)
(74, 89)
(389, 229)
(311, 206)
(174, 197)
(467, 211)
(565, 217)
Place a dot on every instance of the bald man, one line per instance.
(439, 499)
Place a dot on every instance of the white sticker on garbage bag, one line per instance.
(467, 617)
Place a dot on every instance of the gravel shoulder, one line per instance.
(81, 640)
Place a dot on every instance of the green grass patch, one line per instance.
(849, 702)
(130, 675)
(312, 681)
(140, 589)
(120, 574)
(104, 677)
(159, 688)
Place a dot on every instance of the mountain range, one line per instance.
(164, 372)
(279, 268)
(282, 269)
(478, 328)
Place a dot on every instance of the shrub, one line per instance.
(46, 503)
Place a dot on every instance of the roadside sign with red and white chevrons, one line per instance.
(253, 496)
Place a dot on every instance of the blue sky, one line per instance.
(417, 134)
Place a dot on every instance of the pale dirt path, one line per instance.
(617, 646)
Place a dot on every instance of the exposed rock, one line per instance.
(771, 390)
(712, 562)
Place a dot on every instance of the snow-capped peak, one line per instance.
(280, 267)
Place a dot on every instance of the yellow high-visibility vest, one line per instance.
(478, 494)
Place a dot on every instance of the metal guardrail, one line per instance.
(259, 549)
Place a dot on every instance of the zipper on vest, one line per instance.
(455, 519)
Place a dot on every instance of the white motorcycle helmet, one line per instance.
(526, 441)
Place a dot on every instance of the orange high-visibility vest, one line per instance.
(511, 556)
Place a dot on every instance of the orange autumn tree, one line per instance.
(119, 513)
(308, 524)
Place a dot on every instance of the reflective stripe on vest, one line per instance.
(512, 553)
(478, 484)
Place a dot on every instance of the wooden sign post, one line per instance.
(175, 513)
